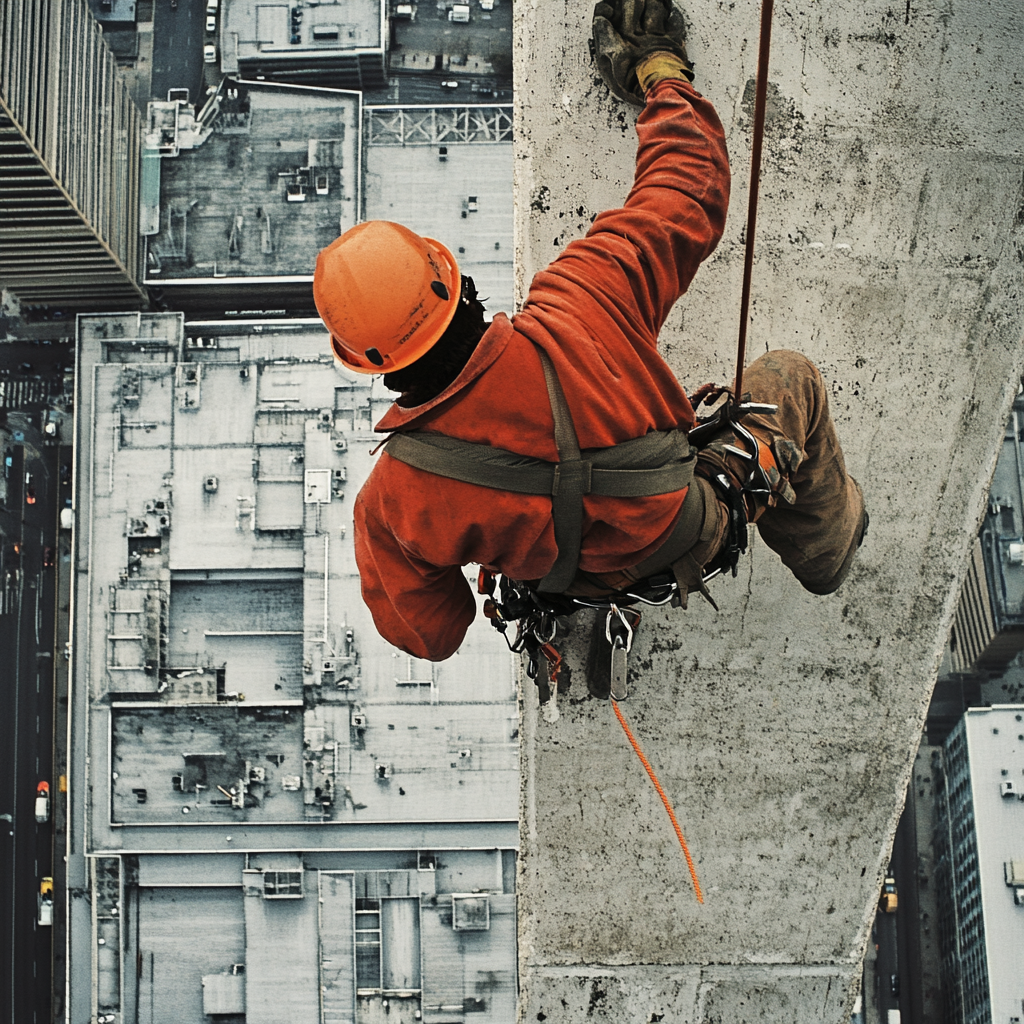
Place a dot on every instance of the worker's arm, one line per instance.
(421, 608)
(636, 261)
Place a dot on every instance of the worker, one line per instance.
(577, 371)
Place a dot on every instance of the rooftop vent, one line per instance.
(471, 912)
(1007, 788)
(210, 485)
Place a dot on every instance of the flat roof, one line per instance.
(995, 750)
(234, 673)
(276, 181)
(265, 30)
(212, 938)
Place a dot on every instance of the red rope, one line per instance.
(760, 104)
(664, 800)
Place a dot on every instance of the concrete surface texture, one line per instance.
(890, 239)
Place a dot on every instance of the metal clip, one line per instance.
(552, 668)
(764, 408)
(619, 632)
(757, 482)
(615, 614)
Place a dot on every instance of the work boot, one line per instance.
(817, 531)
(827, 583)
(814, 518)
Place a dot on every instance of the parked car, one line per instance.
(449, 83)
(894, 984)
(43, 802)
(211, 23)
(45, 900)
(210, 54)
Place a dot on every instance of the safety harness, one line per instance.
(661, 462)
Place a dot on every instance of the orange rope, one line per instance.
(664, 800)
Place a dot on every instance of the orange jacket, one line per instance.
(596, 311)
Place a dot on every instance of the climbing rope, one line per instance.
(760, 103)
(664, 799)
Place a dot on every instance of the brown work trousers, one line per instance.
(815, 518)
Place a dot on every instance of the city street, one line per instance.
(179, 33)
(28, 529)
(420, 88)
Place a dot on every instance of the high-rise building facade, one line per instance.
(988, 630)
(70, 143)
(979, 841)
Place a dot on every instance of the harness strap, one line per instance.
(572, 481)
(660, 462)
(503, 470)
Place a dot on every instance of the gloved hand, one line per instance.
(629, 32)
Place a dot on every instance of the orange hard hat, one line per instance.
(386, 295)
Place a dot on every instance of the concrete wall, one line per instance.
(890, 243)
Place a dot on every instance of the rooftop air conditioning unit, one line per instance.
(1007, 788)
(359, 721)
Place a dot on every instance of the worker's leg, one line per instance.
(816, 534)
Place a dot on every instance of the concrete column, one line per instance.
(890, 242)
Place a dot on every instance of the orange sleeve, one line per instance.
(420, 608)
(636, 261)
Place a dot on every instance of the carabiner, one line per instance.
(618, 641)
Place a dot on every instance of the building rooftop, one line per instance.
(308, 32)
(451, 183)
(235, 674)
(276, 181)
(995, 749)
(279, 932)
(315, 805)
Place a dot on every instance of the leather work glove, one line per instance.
(638, 43)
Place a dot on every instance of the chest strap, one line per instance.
(660, 462)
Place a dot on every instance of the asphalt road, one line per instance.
(908, 917)
(26, 729)
(425, 89)
(886, 964)
(179, 34)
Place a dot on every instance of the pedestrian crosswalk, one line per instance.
(18, 393)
